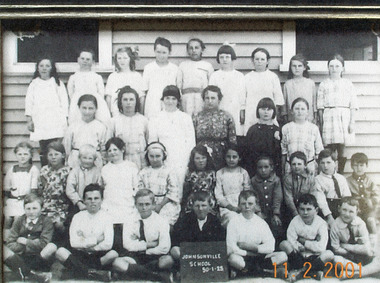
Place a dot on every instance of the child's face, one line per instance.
(300, 111)
(327, 165)
(87, 110)
(335, 68)
(123, 60)
(225, 61)
(307, 212)
(144, 206)
(162, 54)
(93, 201)
(359, 168)
(298, 166)
(128, 103)
(247, 206)
(55, 158)
(32, 210)
(44, 68)
(156, 157)
(211, 100)
(264, 168)
(23, 156)
(201, 209)
(200, 161)
(348, 212)
(232, 158)
(260, 61)
(87, 160)
(170, 103)
(85, 60)
(115, 154)
(297, 68)
(194, 50)
(266, 114)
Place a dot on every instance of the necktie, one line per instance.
(30, 226)
(142, 232)
(351, 240)
(336, 187)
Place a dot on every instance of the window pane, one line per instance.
(59, 39)
(319, 39)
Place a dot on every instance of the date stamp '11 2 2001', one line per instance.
(339, 270)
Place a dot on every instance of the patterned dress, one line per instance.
(215, 129)
(198, 181)
(52, 186)
(163, 183)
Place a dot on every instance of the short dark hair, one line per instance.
(143, 193)
(266, 102)
(307, 199)
(201, 196)
(164, 42)
(247, 194)
(127, 89)
(88, 50)
(234, 147)
(226, 49)
(212, 88)
(350, 201)
(300, 99)
(88, 97)
(32, 197)
(93, 187)
(299, 155)
(265, 157)
(118, 142)
(260, 49)
(326, 153)
(203, 46)
(202, 150)
(359, 157)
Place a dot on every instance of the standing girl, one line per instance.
(52, 186)
(46, 106)
(88, 130)
(263, 138)
(261, 83)
(162, 181)
(231, 84)
(120, 181)
(130, 125)
(157, 75)
(301, 135)
(336, 103)
(125, 63)
(86, 81)
(299, 85)
(230, 182)
(20, 180)
(200, 177)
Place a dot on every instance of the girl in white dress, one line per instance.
(85, 81)
(88, 130)
(157, 75)
(125, 63)
(131, 126)
(46, 106)
(260, 83)
(232, 85)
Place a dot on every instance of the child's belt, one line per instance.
(191, 90)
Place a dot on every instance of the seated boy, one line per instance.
(250, 243)
(147, 243)
(197, 226)
(330, 186)
(307, 238)
(81, 176)
(91, 239)
(28, 245)
(349, 237)
(364, 189)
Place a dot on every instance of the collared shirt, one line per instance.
(340, 233)
(156, 229)
(295, 186)
(34, 221)
(363, 187)
(269, 194)
(325, 189)
(316, 235)
(252, 231)
(91, 232)
(201, 223)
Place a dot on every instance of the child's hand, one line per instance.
(100, 239)
(368, 204)
(302, 240)
(22, 240)
(277, 135)
(151, 244)
(30, 126)
(276, 220)
(81, 205)
(351, 127)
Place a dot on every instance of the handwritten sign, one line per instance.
(204, 262)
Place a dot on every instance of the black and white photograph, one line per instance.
(230, 147)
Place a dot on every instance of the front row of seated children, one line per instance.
(150, 252)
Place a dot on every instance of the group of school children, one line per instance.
(115, 197)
